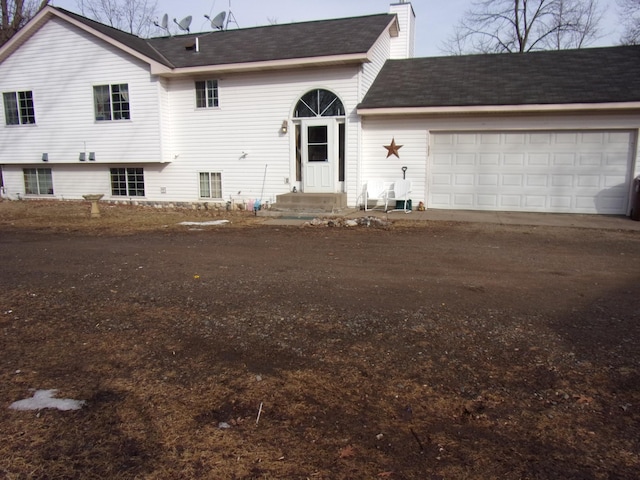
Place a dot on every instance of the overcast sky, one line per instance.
(435, 19)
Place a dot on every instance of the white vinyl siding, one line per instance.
(403, 46)
(244, 135)
(62, 64)
(378, 55)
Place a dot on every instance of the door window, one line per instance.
(317, 143)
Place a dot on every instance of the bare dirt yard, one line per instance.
(426, 351)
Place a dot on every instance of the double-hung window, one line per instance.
(38, 181)
(210, 185)
(127, 182)
(111, 102)
(18, 108)
(207, 94)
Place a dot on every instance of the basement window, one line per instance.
(207, 94)
(210, 185)
(127, 182)
(18, 108)
(38, 181)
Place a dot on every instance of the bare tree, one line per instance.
(496, 26)
(15, 13)
(629, 11)
(133, 16)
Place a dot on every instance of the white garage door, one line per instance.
(542, 171)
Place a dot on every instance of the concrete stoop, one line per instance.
(310, 202)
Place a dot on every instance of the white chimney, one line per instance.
(403, 46)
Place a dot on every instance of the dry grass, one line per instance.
(433, 353)
(74, 216)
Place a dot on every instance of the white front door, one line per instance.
(319, 156)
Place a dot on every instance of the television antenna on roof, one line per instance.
(184, 24)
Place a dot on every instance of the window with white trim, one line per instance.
(111, 102)
(38, 181)
(18, 108)
(207, 94)
(210, 185)
(127, 182)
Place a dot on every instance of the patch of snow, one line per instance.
(44, 399)
(205, 224)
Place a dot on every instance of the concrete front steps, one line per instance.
(310, 202)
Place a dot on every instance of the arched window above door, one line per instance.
(319, 103)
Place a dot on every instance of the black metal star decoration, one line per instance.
(393, 148)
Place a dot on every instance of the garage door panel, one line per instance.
(567, 138)
(514, 138)
(465, 139)
(611, 181)
(593, 137)
(514, 159)
(487, 200)
(564, 159)
(442, 179)
(562, 181)
(465, 200)
(535, 201)
(560, 202)
(617, 159)
(512, 180)
(489, 159)
(620, 138)
(464, 180)
(537, 180)
(488, 180)
(589, 181)
(465, 159)
(490, 138)
(590, 160)
(538, 159)
(543, 138)
(509, 202)
(580, 171)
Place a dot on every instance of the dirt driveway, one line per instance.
(439, 351)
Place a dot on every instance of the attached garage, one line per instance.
(586, 171)
(552, 131)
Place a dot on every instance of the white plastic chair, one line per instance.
(375, 190)
(399, 192)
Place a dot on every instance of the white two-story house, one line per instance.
(313, 107)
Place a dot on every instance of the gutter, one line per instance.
(348, 59)
(497, 109)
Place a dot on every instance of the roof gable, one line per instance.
(585, 76)
(338, 40)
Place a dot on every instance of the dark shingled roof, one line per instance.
(138, 44)
(275, 42)
(597, 75)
